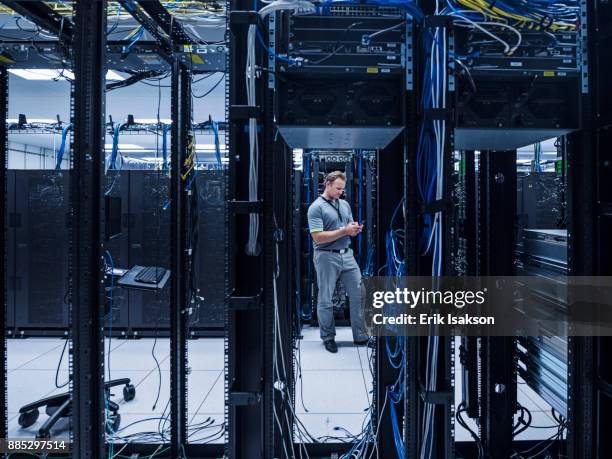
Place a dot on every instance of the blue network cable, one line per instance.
(137, 36)
(60, 152)
(360, 200)
(108, 260)
(306, 158)
(215, 128)
(165, 131)
(396, 355)
(115, 149)
(269, 51)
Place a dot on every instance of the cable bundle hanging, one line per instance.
(115, 150)
(296, 6)
(430, 183)
(534, 14)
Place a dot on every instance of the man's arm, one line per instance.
(324, 237)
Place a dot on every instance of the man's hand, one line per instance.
(353, 229)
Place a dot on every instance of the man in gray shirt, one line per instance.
(331, 225)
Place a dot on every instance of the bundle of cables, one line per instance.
(115, 149)
(430, 183)
(294, 6)
(547, 15)
(395, 267)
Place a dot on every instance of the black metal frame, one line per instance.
(589, 204)
(247, 322)
(179, 262)
(416, 396)
(498, 385)
(3, 247)
(87, 296)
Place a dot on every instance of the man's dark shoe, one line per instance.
(331, 346)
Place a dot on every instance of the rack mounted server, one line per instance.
(339, 84)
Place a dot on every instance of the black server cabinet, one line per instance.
(149, 245)
(116, 186)
(298, 237)
(149, 233)
(41, 251)
(10, 249)
(210, 254)
(539, 201)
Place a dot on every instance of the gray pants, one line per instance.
(330, 266)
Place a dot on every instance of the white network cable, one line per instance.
(479, 25)
(438, 91)
(251, 247)
(297, 6)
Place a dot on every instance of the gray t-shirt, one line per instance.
(329, 216)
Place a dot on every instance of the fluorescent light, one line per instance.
(152, 158)
(35, 74)
(152, 121)
(123, 146)
(111, 75)
(33, 120)
(52, 74)
(209, 147)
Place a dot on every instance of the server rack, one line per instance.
(116, 185)
(42, 219)
(149, 219)
(3, 216)
(211, 253)
(132, 310)
(149, 245)
(539, 200)
(9, 272)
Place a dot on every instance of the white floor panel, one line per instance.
(313, 356)
(206, 354)
(208, 395)
(333, 391)
(138, 355)
(21, 352)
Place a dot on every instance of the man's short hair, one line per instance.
(333, 176)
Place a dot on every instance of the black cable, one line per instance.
(210, 90)
(299, 368)
(521, 421)
(557, 416)
(550, 439)
(135, 78)
(59, 364)
(158, 370)
(158, 210)
(459, 416)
